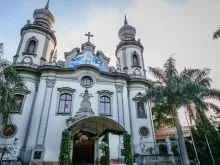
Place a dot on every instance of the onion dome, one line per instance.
(127, 32)
(44, 16)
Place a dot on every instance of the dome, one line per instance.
(127, 32)
(44, 16)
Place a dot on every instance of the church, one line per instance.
(82, 93)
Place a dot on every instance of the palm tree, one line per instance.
(188, 89)
(9, 82)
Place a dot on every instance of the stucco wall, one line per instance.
(41, 39)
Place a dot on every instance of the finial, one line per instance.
(125, 22)
(47, 5)
(55, 57)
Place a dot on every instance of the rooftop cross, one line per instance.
(89, 35)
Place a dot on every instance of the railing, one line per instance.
(146, 159)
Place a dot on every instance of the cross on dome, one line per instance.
(89, 35)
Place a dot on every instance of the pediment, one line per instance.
(87, 58)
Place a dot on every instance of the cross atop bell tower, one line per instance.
(89, 35)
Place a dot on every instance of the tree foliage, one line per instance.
(65, 148)
(161, 116)
(10, 81)
(188, 89)
(127, 149)
(203, 126)
(105, 160)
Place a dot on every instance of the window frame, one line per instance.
(65, 100)
(24, 93)
(86, 86)
(105, 93)
(61, 91)
(143, 106)
(7, 137)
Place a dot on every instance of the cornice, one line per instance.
(128, 42)
(41, 28)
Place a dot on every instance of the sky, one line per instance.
(165, 27)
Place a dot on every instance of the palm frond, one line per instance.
(202, 74)
(170, 68)
(213, 106)
(189, 73)
(158, 73)
(210, 94)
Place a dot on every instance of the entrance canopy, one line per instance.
(98, 125)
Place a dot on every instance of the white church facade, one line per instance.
(61, 93)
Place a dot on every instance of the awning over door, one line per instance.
(98, 125)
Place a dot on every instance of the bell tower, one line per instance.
(129, 52)
(38, 40)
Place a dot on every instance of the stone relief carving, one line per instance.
(85, 109)
(61, 63)
(119, 88)
(50, 82)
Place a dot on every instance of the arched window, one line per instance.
(19, 101)
(65, 103)
(31, 46)
(135, 60)
(141, 110)
(105, 105)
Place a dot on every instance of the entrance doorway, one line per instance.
(83, 152)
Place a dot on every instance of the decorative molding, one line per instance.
(119, 88)
(85, 109)
(22, 91)
(108, 94)
(45, 50)
(45, 114)
(101, 80)
(66, 89)
(30, 116)
(50, 82)
(74, 77)
(33, 38)
(6, 137)
(120, 108)
(37, 28)
(105, 92)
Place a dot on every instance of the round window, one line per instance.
(143, 131)
(86, 81)
(9, 131)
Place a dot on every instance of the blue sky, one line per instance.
(69, 13)
(165, 27)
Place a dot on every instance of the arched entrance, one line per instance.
(86, 130)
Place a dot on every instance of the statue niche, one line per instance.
(31, 47)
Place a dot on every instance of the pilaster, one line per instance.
(39, 148)
(120, 105)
